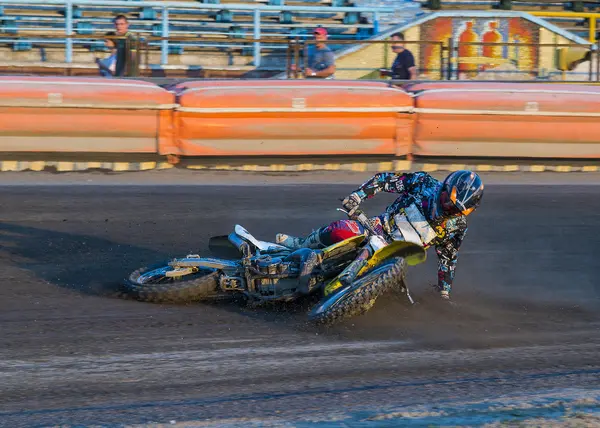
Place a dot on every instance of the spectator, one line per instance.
(124, 60)
(108, 65)
(321, 60)
(403, 67)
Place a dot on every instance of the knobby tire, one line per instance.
(361, 295)
(201, 286)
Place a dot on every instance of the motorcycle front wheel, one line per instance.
(151, 284)
(358, 297)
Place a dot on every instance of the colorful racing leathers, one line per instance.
(417, 205)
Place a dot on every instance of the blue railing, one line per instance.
(166, 7)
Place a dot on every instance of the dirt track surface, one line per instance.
(521, 343)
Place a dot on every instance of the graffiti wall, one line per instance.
(473, 59)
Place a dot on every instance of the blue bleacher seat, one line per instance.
(364, 33)
(175, 50)
(22, 45)
(286, 17)
(10, 26)
(351, 18)
(77, 12)
(84, 28)
(157, 30)
(148, 14)
(224, 16)
(300, 32)
(236, 32)
(98, 47)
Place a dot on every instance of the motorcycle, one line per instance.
(347, 276)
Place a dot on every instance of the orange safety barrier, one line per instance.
(507, 120)
(298, 118)
(42, 114)
(292, 118)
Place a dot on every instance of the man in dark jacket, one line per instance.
(124, 46)
(403, 67)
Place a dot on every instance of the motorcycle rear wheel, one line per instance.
(150, 284)
(360, 296)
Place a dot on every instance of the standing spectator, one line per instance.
(321, 60)
(108, 65)
(403, 67)
(124, 60)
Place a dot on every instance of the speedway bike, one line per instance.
(347, 277)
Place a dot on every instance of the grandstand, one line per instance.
(231, 38)
(202, 35)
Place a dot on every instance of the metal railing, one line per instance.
(448, 60)
(590, 17)
(380, 58)
(361, 59)
(474, 66)
(167, 6)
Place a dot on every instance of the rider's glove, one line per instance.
(351, 203)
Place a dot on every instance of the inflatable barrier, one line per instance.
(299, 118)
(507, 119)
(292, 118)
(42, 114)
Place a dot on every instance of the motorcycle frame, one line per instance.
(379, 250)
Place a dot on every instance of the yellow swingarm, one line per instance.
(343, 246)
(412, 253)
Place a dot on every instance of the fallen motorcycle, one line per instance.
(348, 276)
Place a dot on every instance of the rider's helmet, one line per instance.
(461, 193)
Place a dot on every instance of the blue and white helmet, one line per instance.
(461, 193)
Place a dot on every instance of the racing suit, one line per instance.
(417, 203)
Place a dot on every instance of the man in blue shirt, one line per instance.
(321, 60)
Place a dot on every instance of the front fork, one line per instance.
(349, 274)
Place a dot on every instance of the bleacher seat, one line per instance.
(35, 23)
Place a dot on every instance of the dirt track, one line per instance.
(524, 333)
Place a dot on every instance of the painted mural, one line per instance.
(473, 59)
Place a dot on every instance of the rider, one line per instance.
(428, 212)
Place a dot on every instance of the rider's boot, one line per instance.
(311, 241)
(443, 293)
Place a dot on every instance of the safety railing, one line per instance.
(452, 60)
(367, 59)
(142, 52)
(354, 60)
(521, 61)
(166, 7)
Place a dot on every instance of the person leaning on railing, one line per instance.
(321, 60)
(403, 67)
(107, 66)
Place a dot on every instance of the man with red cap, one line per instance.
(321, 60)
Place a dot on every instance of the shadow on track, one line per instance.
(95, 266)
(81, 263)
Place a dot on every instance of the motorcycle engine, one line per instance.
(271, 266)
(276, 267)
